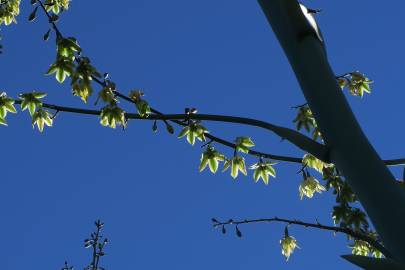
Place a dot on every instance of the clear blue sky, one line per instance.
(218, 56)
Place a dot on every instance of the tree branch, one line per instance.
(350, 150)
(172, 117)
(281, 131)
(301, 141)
(296, 138)
(293, 136)
(317, 225)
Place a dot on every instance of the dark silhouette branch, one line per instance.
(324, 155)
(50, 19)
(357, 235)
(351, 152)
(208, 117)
(293, 136)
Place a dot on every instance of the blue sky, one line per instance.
(218, 56)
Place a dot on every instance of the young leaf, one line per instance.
(112, 116)
(211, 158)
(263, 169)
(237, 164)
(360, 247)
(243, 144)
(312, 162)
(41, 118)
(193, 131)
(31, 101)
(6, 105)
(288, 245)
(309, 186)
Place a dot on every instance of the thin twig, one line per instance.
(317, 225)
(318, 147)
(390, 162)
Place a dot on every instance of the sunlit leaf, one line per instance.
(243, 144)
(111, 116)
(31, 101)
(288, 245)
(41, 118)
(263, 169)
(309, 186)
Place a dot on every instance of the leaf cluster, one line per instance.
(56, 6)
(263, 170)
(306, 120)
(6, 105)
(70, 63)
(142, 105)
(309, 186)
(288, 244)
(356, 82)
(211, 158)
(9, 10)
(112, 115)
(363, 248)
(40, 116)
(195, 130)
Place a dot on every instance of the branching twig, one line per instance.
(231, 119)
(97, 243)
(347, 231)
(293, 136)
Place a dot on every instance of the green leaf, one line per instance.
(227, 164)
(288, 245)
(193, 131)
(237, 164)
(31, 107)
(339, 213)
(3, 121)
(257, 174)
(305, 119)
(358, 83)
(39, 95)
(10, 107)
(234, 168)
(142, 107)
(60, 75)
(82, 88)
(312, 162)
(213, 164)
(360, 247)
(191, 137)
(52, 69)
(211, 157)
(3, 112)
(184, 132)
(263, 169)
(41, 118)
(243, 144)
(309, 186)
(203, 163)
(31, 101)
(111, 116)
